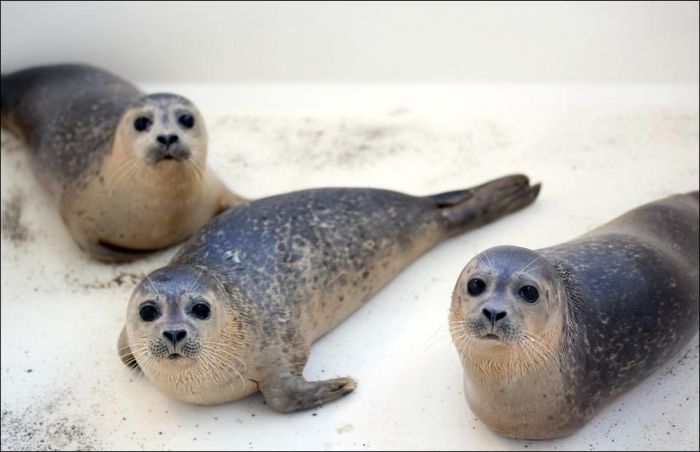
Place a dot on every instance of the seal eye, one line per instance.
(475, 286)
(201, 310)
(142, 123)
(529, 293)
(187, 121)
(148, 312)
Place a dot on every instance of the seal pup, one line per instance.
(128, 170)
(549, 337)
(238, 307)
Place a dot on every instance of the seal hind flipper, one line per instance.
(293, 393)
(467, 209)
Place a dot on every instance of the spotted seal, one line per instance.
(129, 170)
(549, 337)
(238, 307)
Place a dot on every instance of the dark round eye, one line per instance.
(475, 286)
(187, 121)
(142, 123)
(148, 312)
(529, 293)
(201, 310)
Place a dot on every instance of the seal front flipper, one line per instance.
(468, 209)
(125, 353)
(290, 393)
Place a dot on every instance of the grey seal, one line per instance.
(128, 170)
(238, 307)
(549, 337)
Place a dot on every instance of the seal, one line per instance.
(128, 170)
(238, 307)
(549, 337)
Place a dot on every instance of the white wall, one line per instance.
(384, 42)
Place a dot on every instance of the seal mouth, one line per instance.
(170, 156)
(491, 337)
(168, 153)
(174, 356)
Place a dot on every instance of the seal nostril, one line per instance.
(167, 139)
(487, 313)
(493, 315)
(175, 336)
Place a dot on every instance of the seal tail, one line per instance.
(468, 209)
(6, 99)
(14, 113)
(10, 99)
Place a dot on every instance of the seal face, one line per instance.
(186, 337)
(129, 170)
(510, 304)
(162, 127)
(549, 337)
(255, 287)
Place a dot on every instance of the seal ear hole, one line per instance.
(529, 293)
(142, 123)
(186, 120)
(201, 310)
(476, 286)
(149, 312)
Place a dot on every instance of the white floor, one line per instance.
(599, 151)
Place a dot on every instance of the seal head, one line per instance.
(164, 127)
(511, 315)
(187, 338)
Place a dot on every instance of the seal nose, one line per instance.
(175, 336)
(493, 315)
(167, 139)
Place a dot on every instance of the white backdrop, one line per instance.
(598, 101)
(623, 42)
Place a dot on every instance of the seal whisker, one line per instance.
(150, 281)
(526, 266)
(122, 173)
(195, 169)
(229, 351)
(193, 286)
(489, 263)
(210, 362)
(225, 368)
